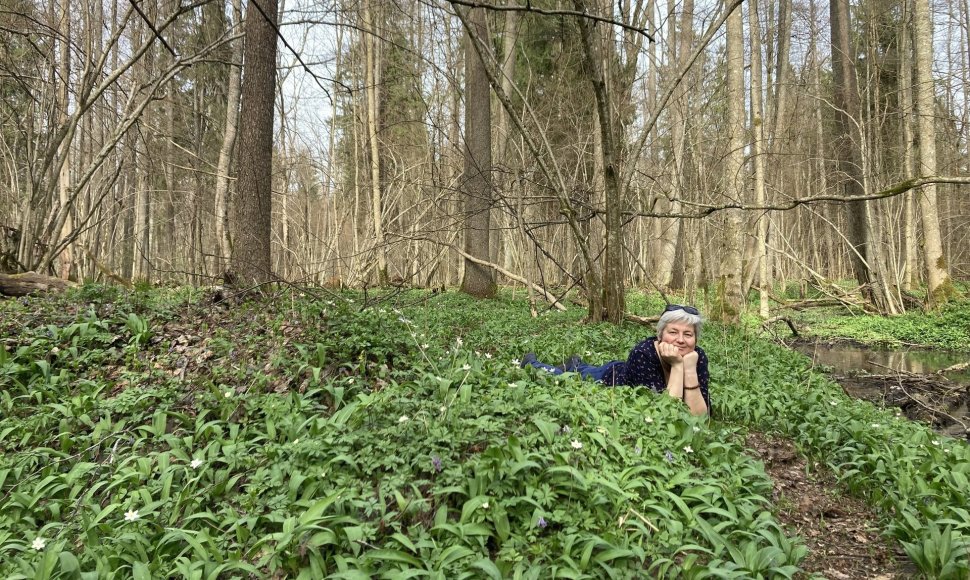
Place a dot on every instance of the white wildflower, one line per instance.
(688, 449)
(488, 355)
(442, 408)
(875, 425)
(485, 506)
(403, 419)
(935, 442)
(601, 430)
(131, 515)
(648, 419)
(425, 346)
(511, 384)
(466, 367)
(516, 362)
(696, 429)
(196, 463)
(459, 341)
(228, 394)
(576, 444)
(834, 403)
(38, 543)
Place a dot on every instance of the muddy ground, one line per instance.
(841, 532)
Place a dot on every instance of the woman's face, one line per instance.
(681, 335)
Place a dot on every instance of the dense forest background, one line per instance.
(708, 146)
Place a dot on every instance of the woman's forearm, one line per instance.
(692, 392)
(675, 382)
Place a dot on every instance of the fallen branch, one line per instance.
(954, 368)
(31, 282)
(787, 320)
(551, 298)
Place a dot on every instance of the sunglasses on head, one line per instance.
(687, 309)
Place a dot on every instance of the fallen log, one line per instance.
(30, 283)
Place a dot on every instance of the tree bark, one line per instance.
(372, 82)
(228, 142)
(938, 285)
(730, 300)
(614, 291)
(478, 280)
(66, 258)
(252, 211)
(670, 228)
(30, 283)
(848, 156)
(758, 156)
(909, 249)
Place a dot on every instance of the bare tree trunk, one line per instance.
(477, 188)
(730, 300)
(910, 255)
(670, 229)
(372, 81)
(939, 286)
(66, 259)
(758, 159)
(143, 181)
(252, 211)
(228, 142)
(614, 290)
(850, 159)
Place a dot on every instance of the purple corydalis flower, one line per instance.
(436, 462)
(669, 456)
(542, 522)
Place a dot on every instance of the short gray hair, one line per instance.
(680, 316)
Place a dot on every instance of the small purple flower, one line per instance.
(436, 463)
(669, 456)
(542, 522)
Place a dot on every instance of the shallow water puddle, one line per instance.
(906, 379)
(849, 359)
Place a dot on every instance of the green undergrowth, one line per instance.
(158, 434)
(947, 328)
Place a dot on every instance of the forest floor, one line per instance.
(841, 532)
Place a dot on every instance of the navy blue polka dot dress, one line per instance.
(643, 368)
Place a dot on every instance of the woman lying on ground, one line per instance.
(670, 361)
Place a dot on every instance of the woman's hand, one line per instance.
(690, 359)
(670, 354)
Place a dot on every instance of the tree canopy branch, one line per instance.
(528, 7)
(897, 189)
